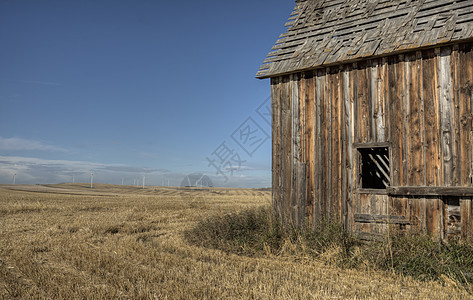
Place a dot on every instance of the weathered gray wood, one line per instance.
(286, 150)
(295, 148)
(310, 152)
(335, 82)
(320, 188)
(276, 143)
(406, 111)
(371, 191)
(329, 125)
(347, 151)
(404, 103)
(446, 114)
(380, 100)
(395, 75)
(456, 191)
(384, 219)
(456, 117)
(431, 131)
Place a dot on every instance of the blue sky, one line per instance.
(127, 89)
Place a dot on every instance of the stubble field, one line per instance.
(124, 242)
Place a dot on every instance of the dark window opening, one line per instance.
(374, 167)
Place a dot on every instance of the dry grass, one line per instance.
(69, 242)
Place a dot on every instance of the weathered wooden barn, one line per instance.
(372, 115)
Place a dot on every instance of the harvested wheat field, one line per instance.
(123, 242)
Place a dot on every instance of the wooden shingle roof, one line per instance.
(328, 32)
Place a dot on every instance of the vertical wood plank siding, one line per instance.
(419, 103)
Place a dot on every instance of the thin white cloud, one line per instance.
(15, 143)
(18, 162)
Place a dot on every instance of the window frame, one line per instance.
(358, 163)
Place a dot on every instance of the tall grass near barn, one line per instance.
(257, 232)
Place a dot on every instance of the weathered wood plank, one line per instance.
(334, 82)
(276, 142)
(429, 88)
(471, 218)
(340, 146)
(457, 191)
(371, 145)
(318, 147)
(295, 144)
(363, 102)
(286, 148)
(437, 116)
(395, 71)
(346, 148)
(353, 198)
(405, 108)
(301, 169)
(383, 219)
(302, 122)
(373, 99)
(466, 222)
(446, 115)
(414, 143)
(469, 66)
(465, 88)
(328, 137)
(321, 144)
(421, 107)
(456, 115)
(310, 145)
(379, 113)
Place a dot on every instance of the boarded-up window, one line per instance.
(374, 167)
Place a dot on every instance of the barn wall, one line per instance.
(420, 104)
